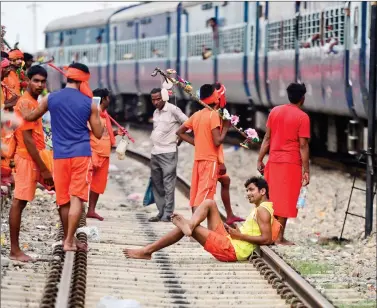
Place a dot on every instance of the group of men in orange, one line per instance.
(82, 138)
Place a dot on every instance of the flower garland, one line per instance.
(22, 77)
(250, 134)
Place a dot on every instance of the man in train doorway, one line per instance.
(166, 120)
(71, 109)
(287, 140)
(209, 134)
(101, 149)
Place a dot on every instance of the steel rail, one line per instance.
(289, 284)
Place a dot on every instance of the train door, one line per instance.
(357, 43)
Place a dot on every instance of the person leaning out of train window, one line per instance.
(167, 118)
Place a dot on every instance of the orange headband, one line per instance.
(16, 54)
(76, 74)
(214, 98)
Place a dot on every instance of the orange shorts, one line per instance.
(100, 172)
(203, 181)
(219, 245)
(25, 178)
(72, 177)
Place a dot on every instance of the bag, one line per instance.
(275, 229)
(8, 145)
(149, 197)
(121, 149)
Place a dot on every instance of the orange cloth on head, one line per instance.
(25, 178)
(202, 123)
(76, 74)
(15, 54)
(13, 82)
(72, 177)
(214, 98)
(219, 245)
(203, 181)
(100, 173)
(36, 127)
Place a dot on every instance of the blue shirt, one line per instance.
(70, 112)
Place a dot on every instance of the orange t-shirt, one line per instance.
(37, 129)
(287, 123)
(101, 146)
(202, 123)
(13, 82)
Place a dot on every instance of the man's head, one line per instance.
(5, 68)
(257, 190)
(28, 58)
(77, 72)
(208, 95)
(104, 94)
(296, 93)
(157, 101)
(16, 57)
(37, 76)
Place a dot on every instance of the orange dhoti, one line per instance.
(26, 177)
(203, 181)
(72, 177)
(284, 183)
(100, 173)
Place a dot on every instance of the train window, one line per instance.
(207, 6)
(274, 39)
(251, 38)
(288, 34)
(232, 40)
(130, 24)
(356, 25)
(309, 30)
(146, 21)
(334, 25)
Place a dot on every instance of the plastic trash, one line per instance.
(91, 232)
(302, 198)
(112, 302)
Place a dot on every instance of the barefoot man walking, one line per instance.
(71, 108)
(287, 140)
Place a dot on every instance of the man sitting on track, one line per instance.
(223, 242)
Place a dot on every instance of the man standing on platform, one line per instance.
(166, 120)
(71, 109)
(287, 140)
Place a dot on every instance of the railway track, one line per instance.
(183, 275)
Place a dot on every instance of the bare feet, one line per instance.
(137, 254)
(94, 215)
(180, 222)
(81, 246)
(69, 246)
(284, 242)
(20, 256)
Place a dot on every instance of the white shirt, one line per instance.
(165, 125)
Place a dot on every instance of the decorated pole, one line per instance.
(250, 134)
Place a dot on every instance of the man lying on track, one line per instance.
(223, 242)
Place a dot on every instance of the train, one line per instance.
(256, 49)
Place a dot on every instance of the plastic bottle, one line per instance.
(302, 198)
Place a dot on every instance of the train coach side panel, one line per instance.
(310, 72)
(230, 68)
(200, 71)
(146, 67)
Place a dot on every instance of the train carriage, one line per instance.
(256, 51)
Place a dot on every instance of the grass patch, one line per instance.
(310, 268)
(361, 304)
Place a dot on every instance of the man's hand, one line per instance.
(305, 178)
(234, 233)
(226, 123)
(222, 169)
(120, 132)
(47, 177)
(260, 167)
